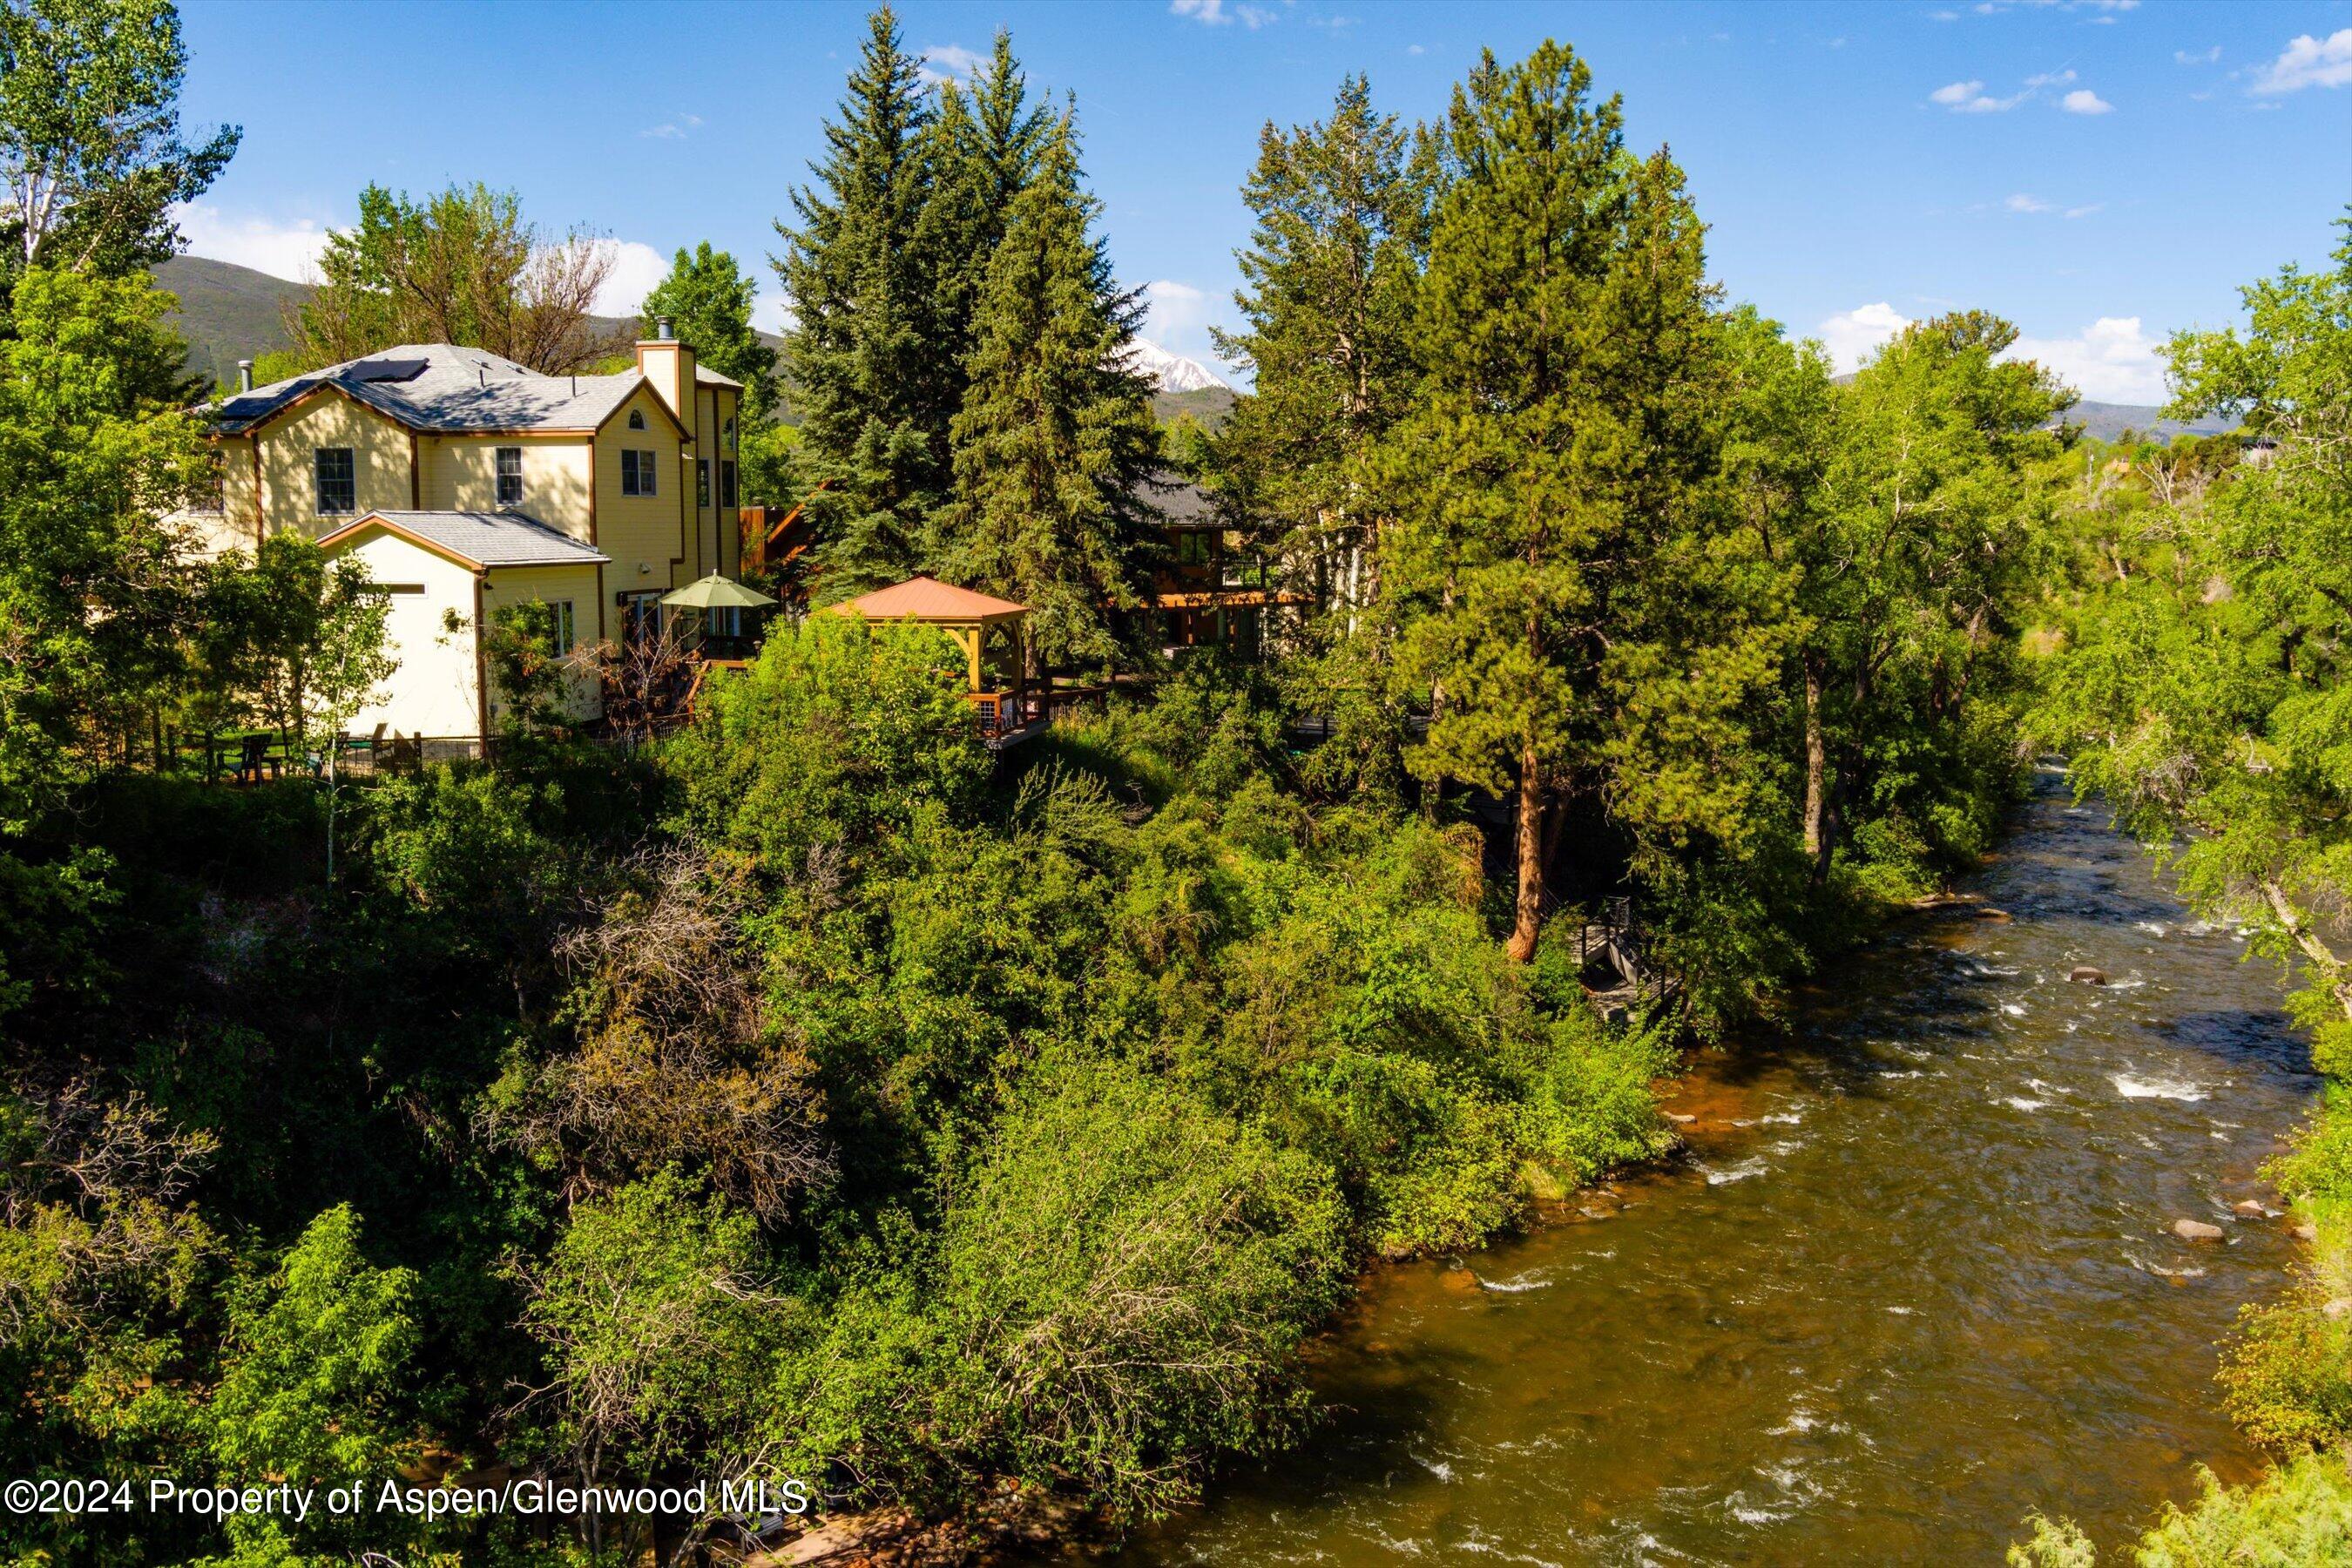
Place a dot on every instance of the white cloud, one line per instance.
(1853, 336)
(636, 268)
(2309, 62)
(771, 314)
(950, 62)
(2083, 100)
(2110, 361)
(1415, 49)
(2022, 203)
(1968, 98)
(282, 249)
(2196, 57)
(1178, 317)
(2084, 211)
(1214, 14)
(677, 130)
(2051, 78)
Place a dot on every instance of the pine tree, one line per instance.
(1342, 210)
(1056, 434)
(857, 353)
(1564, 324)
(709, 299)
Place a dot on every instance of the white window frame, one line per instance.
(564, 629)
(636, 418)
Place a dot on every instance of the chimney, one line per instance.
(669, 364)
(245, 375)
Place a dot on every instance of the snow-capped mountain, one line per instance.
(1174, 373)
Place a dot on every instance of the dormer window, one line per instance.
(636, 418)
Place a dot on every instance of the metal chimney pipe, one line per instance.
(245, 375)
(661, 328)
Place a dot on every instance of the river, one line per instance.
(1916, 1280)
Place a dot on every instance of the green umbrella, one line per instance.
(716, 592)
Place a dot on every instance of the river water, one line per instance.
(1916, 1280)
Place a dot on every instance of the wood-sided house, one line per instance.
(467, 481)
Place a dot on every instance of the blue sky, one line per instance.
(2101, 172)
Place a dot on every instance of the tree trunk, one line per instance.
(1820, 836)
(1433, 786)
(1528, 914)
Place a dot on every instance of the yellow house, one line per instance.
(466, 480)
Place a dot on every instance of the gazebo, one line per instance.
(978, 624)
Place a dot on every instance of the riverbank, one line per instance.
(1916, 1278)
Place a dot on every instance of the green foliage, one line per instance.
(90, 117)
(656, 1321)
(863, 371)
(2299, 1514)
(1056, 434)
(91, 462)
(708, 299)
(461, 267)
(1124, 1275)
(843, 730)
(319, 1384)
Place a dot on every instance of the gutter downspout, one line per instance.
(481, 667)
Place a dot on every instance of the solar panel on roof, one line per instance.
(387, 369)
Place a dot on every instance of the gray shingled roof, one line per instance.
(705, 376)
(440, 386)
(494, 538)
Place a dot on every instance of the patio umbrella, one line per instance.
(716, 592)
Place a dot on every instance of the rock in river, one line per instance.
(2250, 1208)
(2196, 1230)
(2085, 975)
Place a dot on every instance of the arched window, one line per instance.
(636, 418)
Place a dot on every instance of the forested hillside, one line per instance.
(794, 1087)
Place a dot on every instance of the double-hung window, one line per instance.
(560, 627)
(509, 481)
(637, 469)
(338, 482)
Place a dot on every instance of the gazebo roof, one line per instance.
(929, 599)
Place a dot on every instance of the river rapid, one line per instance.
(1916, 1280)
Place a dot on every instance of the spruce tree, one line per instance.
(1565, 329)
(1057, 437)
(981, 152)
(857, 352)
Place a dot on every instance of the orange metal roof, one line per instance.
(928, 599)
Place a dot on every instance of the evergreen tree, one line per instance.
(981, 152)
(708, 302)
(1057, 437)
(1342, 210)
(856, 355)
(1565, 328)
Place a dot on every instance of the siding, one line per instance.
(433, 690)
(549, 584)
(646, 536)
(288, 472)
(461, 475)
